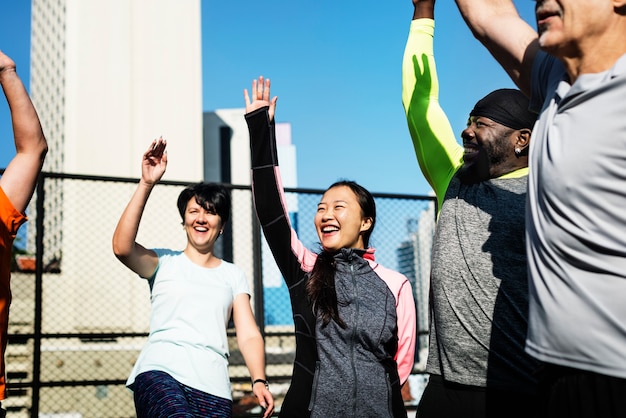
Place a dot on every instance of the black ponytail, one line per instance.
(321, 289)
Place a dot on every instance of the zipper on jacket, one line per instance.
(316, 378)
(389, 394)
(353, 339)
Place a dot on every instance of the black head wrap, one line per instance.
(508, 107)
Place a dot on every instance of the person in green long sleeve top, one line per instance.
(478, 288)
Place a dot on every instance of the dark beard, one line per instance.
(489, 157)
(475, 172)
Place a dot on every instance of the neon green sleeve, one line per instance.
(436, 149)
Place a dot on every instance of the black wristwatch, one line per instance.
(265, 382)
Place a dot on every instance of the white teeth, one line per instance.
(330, 229)
(201, 229)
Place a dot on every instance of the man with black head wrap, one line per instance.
(478, 288)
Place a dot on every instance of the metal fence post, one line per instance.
(38, 296)
(259, 303)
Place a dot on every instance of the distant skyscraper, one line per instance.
(414, 262)
(108, 77)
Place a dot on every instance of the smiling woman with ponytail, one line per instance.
(354, 319)
(321, 284)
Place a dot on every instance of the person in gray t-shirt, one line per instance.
(478, 286)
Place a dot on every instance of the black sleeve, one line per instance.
(268, 196)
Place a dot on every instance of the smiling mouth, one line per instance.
(470, 152)
(470, 148)
(329, 229)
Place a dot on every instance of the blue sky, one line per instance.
(336, 69)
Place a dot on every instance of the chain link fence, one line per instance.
(79, 317)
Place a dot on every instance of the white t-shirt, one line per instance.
(191, 307)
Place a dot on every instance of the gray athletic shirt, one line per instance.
(479, 287)
(576, 219)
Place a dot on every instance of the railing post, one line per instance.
(258, 272)
(39, 233)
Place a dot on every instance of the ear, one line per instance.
(366, 224)
(522, 139)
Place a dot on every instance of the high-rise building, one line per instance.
(413, 256)
(106, 79)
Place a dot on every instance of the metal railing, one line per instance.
(79, 318)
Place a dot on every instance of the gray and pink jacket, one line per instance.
(355, 371)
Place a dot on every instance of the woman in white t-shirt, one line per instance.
(183, 368)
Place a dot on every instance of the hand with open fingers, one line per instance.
(260, 94)
(154, 161)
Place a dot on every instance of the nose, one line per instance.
(325, 214)
(468, 133)
(201, 218)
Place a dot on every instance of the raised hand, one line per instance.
(154, 162)
(260, 97)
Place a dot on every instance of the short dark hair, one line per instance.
(213, 197)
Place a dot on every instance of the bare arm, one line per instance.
(133, 255)
(252, 348)
(511, 41)
(20, 176)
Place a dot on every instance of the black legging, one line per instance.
(159, 395)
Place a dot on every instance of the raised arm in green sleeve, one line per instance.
(438, 153)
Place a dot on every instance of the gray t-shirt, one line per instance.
(479, 287)
(576, 219)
